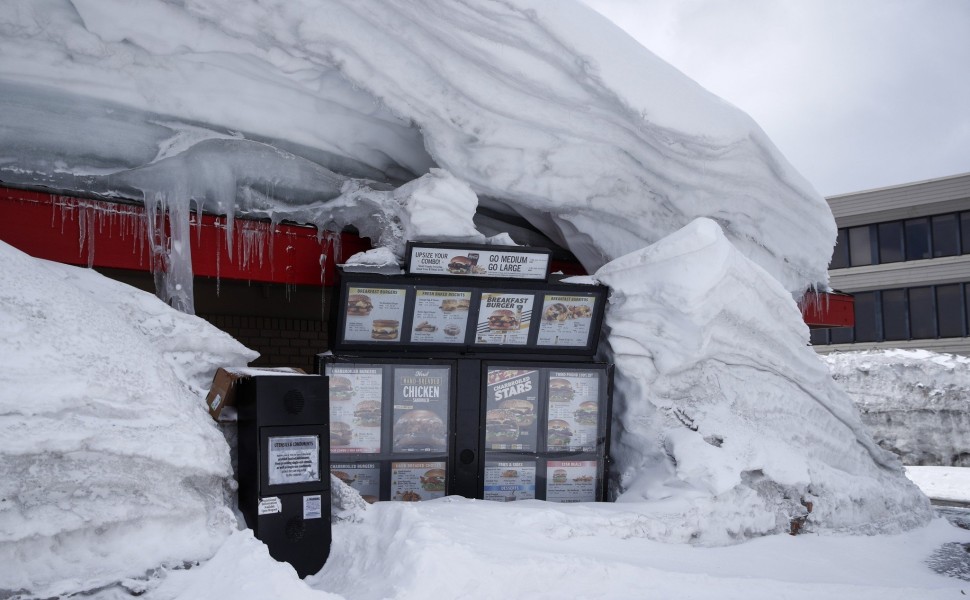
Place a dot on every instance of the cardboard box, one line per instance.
(222, 393)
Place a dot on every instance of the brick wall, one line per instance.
(280, 341)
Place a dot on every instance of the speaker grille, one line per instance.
(294, 402)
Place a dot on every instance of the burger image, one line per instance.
(503, 320)
(341, 389)
(343, 476)
(460, 265)
(556, 312)
(587, 414)
(559, 433)
(340, 433)
(560, 476)
(359, 305)
(451, 305)
(522, 410)
(368, 413)
(500, 427)
(560, 390)
(419, 430)
(384, 329)
(433, 480)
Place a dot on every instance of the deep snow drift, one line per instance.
(915, 403)
(109, 465)
(720, 400)
(306, 109)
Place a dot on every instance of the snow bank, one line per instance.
(722, 403)
(544, 109)
(109, 464)
(915, 403)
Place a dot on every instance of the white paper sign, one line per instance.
(294, 459)
(312, 507)
(269, 506)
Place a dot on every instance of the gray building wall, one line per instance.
(920, 199)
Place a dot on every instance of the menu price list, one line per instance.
(574, 411)
(356, 403)
(416, 481)
(510, 481)
(571, 481)
(363, 477)
(566, 320)
(374, 314)
(511, 409)
(440, 316)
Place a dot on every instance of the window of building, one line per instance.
(946, 235)
(841, 335)
(860, 245)
(820, 337)
(840, 256)
(895, 316)
(949, 308)
(917, 239)
(891, 242)
(866, 317)
(922, 313)
(965, 232)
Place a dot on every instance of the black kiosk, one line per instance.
(284, 482)
(471, 374)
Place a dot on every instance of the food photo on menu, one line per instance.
(566, 320)
(365, 478)
(504, 318)
(440, 316)
(574, 411)
(416, 481)
(571, 481)
(374, 314)
(511, 409)
(421, 403)
(355, 408)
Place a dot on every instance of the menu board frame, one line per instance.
(541, 324)
(478, 261)
(389, 455)
(494, 393)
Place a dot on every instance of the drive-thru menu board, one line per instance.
(421, 405)
(414, 481)
(574, 408)
(571, 480)
(478, 261)
(440, 316)
(363, 477)
(356, 401)
(374, 314)
(504, 318)
(545, 431)
(507, 481)
(512, 408)
(566, 320)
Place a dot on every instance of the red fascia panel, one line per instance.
(107, 234)
(828, 310)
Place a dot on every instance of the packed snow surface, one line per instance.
(314, 110)
(109, 465)
(915, 403)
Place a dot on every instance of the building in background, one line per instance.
(904, 253)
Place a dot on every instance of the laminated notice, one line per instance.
(269, 506)
(294, 459)
(312, 507)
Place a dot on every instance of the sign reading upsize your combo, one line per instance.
(474, 261)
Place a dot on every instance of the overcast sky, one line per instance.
(857, 94)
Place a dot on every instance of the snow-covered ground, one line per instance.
(915, 403)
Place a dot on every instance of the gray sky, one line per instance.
(857, 94)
